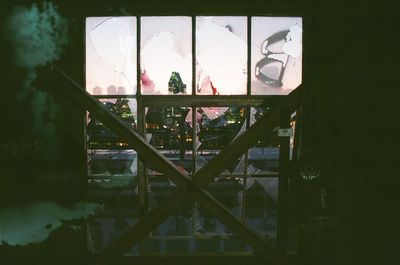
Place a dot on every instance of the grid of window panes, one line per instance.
(168, 55)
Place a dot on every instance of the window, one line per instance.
(189, 85)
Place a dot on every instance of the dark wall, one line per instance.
(350, 123)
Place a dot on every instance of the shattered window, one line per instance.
(188, 130)
(276, 55)
(263, 157)
(216, 128)
(221, 55)
(111, 55)
(166, 55)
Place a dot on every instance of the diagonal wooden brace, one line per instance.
(187, 186)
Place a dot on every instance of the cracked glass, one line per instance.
(166, 55)
(111, 55)
(221, 55)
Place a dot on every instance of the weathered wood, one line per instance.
(284, 150)
(210, 100)
(188, 186)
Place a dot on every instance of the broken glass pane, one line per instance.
(216, 128)
(221, 54)
(111, 55)
(166, 55)
(263, 157)
(276, 55)
(108, 154)
(261, 205)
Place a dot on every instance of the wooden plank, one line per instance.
(283, 185)
(207, 173)
(210, 100)
(187, 185)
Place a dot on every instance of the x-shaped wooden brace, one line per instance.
(192, 187)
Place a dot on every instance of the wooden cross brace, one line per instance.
(192, 187)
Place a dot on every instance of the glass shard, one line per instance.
(216, 128)
(263, 157)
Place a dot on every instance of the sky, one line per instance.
(166, 46)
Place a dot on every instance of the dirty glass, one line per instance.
(276, 55)
(108, 154)
(166, 55)
(174, 233)
(221, 55)
(260, 209)
(119, 212)
(111, 55)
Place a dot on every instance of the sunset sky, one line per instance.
(166, 46)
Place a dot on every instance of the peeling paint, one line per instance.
(33, 222)
(39, 34)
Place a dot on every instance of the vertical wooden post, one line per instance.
(284, 145)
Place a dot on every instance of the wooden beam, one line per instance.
(283, 180)
(188, 186)
(210, 100)
(206, 174)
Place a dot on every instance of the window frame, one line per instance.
(194, 101)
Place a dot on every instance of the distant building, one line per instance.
(175, 84)
(100, 136)
(169, 128)
(219, 132)
(111, 90)
(97, 91)
(121, 90)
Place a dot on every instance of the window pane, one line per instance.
(261, 205)
(216, 128)
(221, 54)
(108, 154)
(166, 55)
(263, 157)
(119, 212)
(174, 233)
(276, 55)
(169, 129)
(111, 55)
